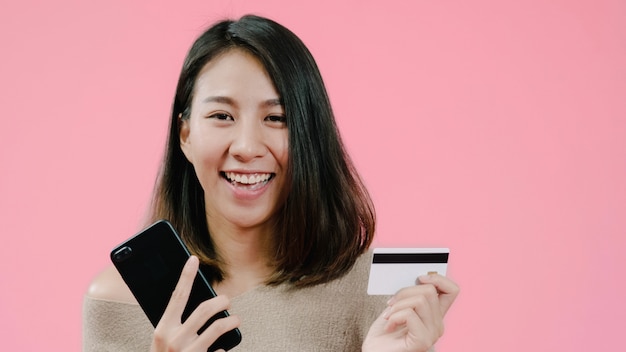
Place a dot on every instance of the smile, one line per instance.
(247, 179)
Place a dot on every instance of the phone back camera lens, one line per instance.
(122, 254)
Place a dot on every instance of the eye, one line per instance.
(276, 118)
(221, 116)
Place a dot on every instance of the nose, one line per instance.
(247, 143)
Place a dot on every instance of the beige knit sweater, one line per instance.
(330, 317)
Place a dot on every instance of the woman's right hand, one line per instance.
(172, 335)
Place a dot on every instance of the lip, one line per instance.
(247, 193)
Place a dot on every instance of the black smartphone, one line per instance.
(151, 263)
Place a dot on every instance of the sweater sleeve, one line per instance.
(114, 326)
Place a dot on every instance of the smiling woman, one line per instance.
(226, 64)
(257, 181)
(235, 136)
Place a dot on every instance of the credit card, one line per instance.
(395, 268)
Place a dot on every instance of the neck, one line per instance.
(245, 257)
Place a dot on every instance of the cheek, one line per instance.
(207, 152)
(284, 156)
(281, 150)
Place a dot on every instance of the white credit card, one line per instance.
(396, 268)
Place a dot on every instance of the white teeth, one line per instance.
(247, 179)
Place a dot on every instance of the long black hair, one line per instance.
(328, 218)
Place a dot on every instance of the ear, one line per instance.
(183, 133)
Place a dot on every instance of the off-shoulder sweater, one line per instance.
(329, 317)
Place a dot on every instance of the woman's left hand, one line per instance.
(413, 320)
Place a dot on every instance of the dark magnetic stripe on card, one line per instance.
(410, 258)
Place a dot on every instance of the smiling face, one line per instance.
(236, 138)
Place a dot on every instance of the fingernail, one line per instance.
(387, 313)
(192, 259)
(423, 279)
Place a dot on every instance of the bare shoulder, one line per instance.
(109, 286)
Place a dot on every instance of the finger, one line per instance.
(424, 302)
(414, 330)
(406, 296)
(405, 317)
(448, 290)
(204, 311)
(215, 330)
(178, 301)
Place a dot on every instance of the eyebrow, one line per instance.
(229, 101)
(219, 99)
(273, 102)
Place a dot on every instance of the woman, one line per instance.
(256, 180)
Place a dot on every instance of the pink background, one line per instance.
(495, 128)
